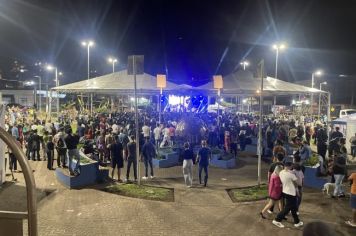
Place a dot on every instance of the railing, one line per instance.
(11, 219)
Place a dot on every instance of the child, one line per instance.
(50, 152)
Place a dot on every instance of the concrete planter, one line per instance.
(311, 180)
(89, 174)
(169, 160)
(225, 164)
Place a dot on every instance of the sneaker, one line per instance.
(299, 224)
(270, 212)
(349, 222)
(144, 177)
(152, 176)
(278, 224)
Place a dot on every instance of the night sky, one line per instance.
(188, 40)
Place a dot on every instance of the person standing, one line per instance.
(188, 161)
(146, 130)
(72, 141)
(353, 145)
(116, 158)
(131, 158)
(204, 155)
(321, 139)
(157, 134)
(289, 183)
(339, 171)
(148, 152)
(50, 152)
(352, 222)
(35, 146)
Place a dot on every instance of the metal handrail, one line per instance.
(29, 180)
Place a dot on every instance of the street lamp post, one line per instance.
(40, 88)
(113, 61)
(244, 64)
(316, 73)
(50, 68)
(89, 44)
(319, 110)
(277, 47)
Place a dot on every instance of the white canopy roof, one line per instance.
(243, 82)
(118, 82)
(239, 83)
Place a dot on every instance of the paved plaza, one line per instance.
(195, 211)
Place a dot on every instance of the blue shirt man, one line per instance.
(204, 155)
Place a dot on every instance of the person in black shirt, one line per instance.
(72, 141)
(321, 139)
(116, 158)
(148, 152)
(50, 152)
(188, 161)
(34, 144)
(131, 158)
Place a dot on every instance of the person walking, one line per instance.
(274, 191)
(72, 141)
(131, 158)
(117, 159)
(289, 190)
(148, 152)
(352, 222)
(204, 155)
(188, 162)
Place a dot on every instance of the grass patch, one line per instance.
(248, 194)
(142, 191)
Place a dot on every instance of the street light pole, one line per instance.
(89, 44)
(319, 110)
(113, 61)
(57, 84)
(40, 88)
(318, 72)
(244, 64)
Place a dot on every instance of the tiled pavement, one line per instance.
(196, 211)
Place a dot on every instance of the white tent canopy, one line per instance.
(239, 83)
(243, 82)
(118, 82)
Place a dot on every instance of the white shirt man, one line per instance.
(289, 190)
(157, 133)
(146, 131)
(115, 129)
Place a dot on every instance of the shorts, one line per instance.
(119, 162)
(353, 201)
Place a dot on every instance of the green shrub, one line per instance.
(313, 160)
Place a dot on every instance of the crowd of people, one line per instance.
(110, 138)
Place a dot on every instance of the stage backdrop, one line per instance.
(2, 144)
